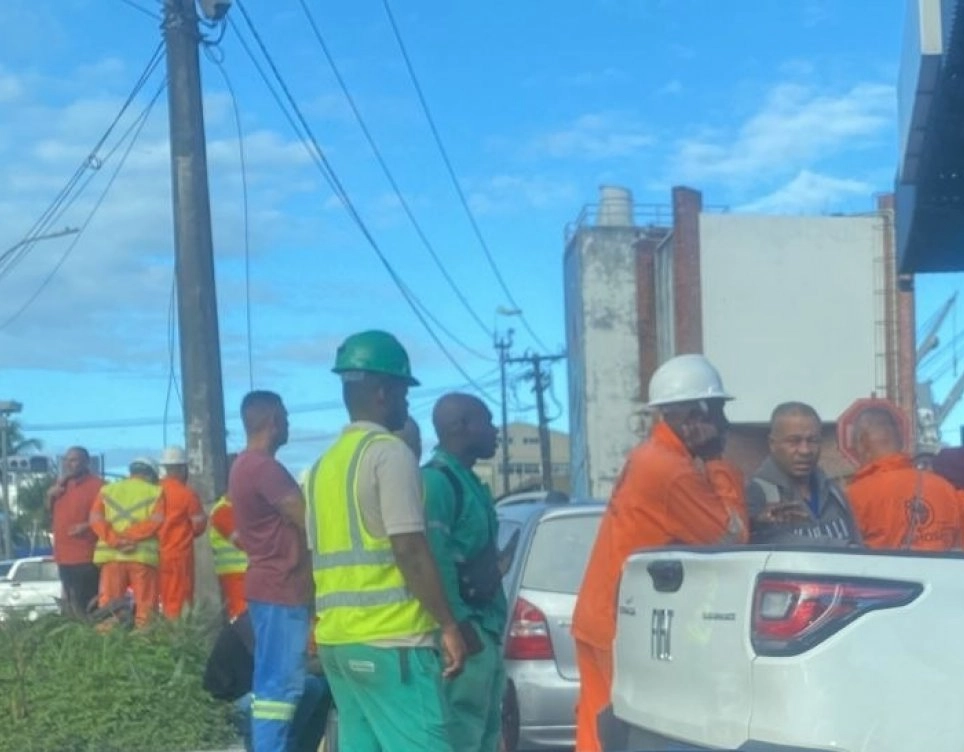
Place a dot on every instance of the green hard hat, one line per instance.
(374, 351)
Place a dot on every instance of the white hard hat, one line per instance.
(173, 455)
(145, 463)
(685, 378)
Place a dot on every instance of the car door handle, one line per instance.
(667, 575)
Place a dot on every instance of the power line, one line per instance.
(335, 183)
(92, 162)
(218, 60)
(451, 171)
(388, 174)
(426, 396)
(137, 126)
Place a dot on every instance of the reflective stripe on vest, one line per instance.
(228, 558)
(360, 591)
(126, 503)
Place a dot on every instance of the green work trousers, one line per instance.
(475, 699)
(388, 699)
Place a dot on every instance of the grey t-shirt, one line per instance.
(831, 519)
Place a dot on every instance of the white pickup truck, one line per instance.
(767, 649)
(29, 587)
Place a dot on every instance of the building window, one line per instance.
(530, 440)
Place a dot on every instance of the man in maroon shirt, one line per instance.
(70, 500)
(269, 512)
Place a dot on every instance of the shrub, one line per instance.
(66, 687)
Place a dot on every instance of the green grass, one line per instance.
(64, 687)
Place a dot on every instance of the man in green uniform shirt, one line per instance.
(462, 532)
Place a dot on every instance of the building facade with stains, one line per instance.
(803, 308)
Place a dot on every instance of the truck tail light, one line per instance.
(528, 634)
(792, 613)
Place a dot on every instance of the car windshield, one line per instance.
(560, 550)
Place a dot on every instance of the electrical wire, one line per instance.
(335, 183)
(451, 171)
(67, 195)
(390, 177)
(172, 385)
(137, 126)
(314, 150)
(209, 51)
(428, 396)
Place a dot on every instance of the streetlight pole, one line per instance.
(7, 408)
(503, 345)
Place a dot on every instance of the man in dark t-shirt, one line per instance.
(269, 511)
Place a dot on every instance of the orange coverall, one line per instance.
(662, 498)
(184, 520)
(117, 576)
(882, 495)
(232, 585)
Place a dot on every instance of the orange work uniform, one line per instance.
(132, 565)
(898, 506)
(662, 498)
(184, 520)
(232, 583)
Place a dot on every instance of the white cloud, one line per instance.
(594, 136)
(11, 87)
(670, 88)
(808, 193)
(795, 127)
(106, 308)
(506, 194)
(595, 77)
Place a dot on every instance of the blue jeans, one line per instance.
(308, 725)
(280, 657)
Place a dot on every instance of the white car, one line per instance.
(29, 586)
(779, 649)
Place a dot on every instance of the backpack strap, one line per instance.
(453, 481)
(771, 491)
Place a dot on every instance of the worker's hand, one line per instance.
(78, 529)
(453, 650)
(126, 545)
(785, 513)
(703, 439)
(55, 491)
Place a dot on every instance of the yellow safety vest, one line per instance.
(228, 558)
(360, 592)
(126, 503)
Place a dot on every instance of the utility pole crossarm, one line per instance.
(542, 381)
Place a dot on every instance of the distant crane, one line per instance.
(930, 414)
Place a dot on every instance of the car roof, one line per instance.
(27, 559)
(522, 511)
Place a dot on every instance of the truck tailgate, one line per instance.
(889, 681)
(682, 662)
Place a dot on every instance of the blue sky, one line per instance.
(772, 107)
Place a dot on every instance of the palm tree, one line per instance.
(17, 442)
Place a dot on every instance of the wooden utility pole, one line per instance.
(205, 439)
(541, 381)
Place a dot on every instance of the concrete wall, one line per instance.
(604, 348)
(792, 309)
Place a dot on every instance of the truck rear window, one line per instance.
(559, 553)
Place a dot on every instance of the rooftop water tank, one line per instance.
(615, 207)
